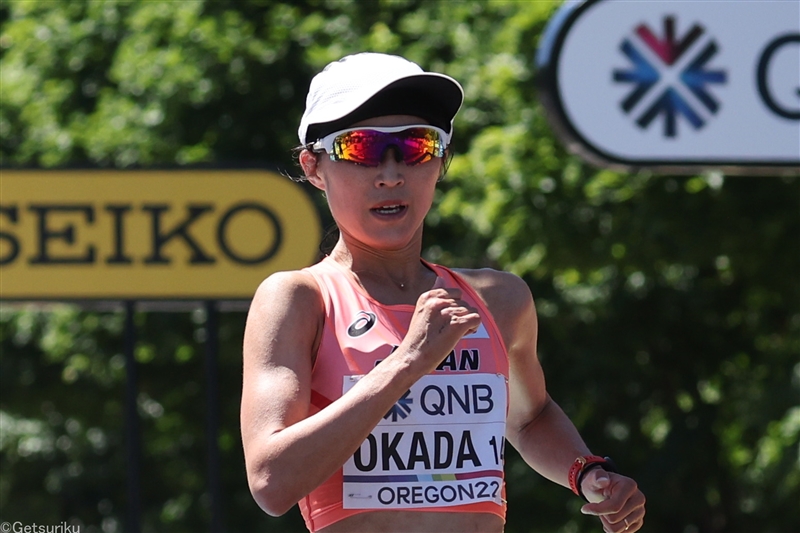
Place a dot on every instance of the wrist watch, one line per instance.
(584, 464)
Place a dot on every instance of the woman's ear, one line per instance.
(310, 164)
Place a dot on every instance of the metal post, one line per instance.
(212, 415)
(132, 427)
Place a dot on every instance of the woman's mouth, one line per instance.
(389, 209)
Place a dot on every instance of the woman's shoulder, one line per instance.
(293, 290)
(508, 299)
(503, 293)
(287, 312)
(495, 282)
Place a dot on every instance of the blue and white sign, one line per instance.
(676, 86)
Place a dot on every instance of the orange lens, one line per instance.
(367, 146)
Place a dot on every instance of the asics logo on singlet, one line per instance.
(363, 323)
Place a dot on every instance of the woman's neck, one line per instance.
(385, 274)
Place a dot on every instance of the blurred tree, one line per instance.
(669, 306)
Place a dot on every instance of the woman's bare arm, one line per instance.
(537, 427)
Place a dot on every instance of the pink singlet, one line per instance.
(440, 447)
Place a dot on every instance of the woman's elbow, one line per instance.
(274, 498)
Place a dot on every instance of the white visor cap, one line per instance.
(368, 85)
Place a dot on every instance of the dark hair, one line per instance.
(296, 151)
(329, 240)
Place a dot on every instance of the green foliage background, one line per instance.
(669, 306)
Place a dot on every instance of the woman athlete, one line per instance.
(379, 389)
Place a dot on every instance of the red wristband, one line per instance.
(578, 466)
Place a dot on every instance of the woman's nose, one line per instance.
(390, 171)
(392, 152)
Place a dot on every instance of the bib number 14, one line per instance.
(499, 451)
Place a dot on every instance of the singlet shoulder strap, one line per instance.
(323, 273)
(449, 274)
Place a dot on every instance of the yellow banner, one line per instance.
(162, 234)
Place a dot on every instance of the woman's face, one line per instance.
(382, 207)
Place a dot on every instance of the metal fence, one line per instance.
(133, 432)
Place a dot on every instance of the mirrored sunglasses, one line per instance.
(366, 146)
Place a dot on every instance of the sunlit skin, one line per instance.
(383, 246)
(289, 453)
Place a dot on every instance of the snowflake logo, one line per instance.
(401, 409)
(672, 102)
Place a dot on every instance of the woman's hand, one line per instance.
(440, 319)
(616, 499)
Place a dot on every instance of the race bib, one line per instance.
(440, 445)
